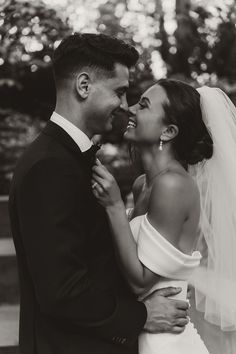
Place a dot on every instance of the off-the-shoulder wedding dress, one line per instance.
(174, 267)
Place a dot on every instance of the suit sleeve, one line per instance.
(50, 202)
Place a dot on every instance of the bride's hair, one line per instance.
(193, 142)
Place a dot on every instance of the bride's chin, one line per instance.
(129, 135)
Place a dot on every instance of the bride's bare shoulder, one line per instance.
(173, 190)
(173, 207)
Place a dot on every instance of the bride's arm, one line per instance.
(106, 190)
(138, 276)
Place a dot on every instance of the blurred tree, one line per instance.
(196, 44)
(28, 34)
(224, 51)
(16, 131)
(121, 20)
(202, 48)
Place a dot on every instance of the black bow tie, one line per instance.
(90, 154)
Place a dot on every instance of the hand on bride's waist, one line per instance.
(165, 314)
(105, 187)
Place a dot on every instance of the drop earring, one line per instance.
(161, 145)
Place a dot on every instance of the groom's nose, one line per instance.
(124, 103)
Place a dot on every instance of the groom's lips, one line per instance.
(111, 117)
(113, 113)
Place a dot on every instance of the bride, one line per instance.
(173, 128)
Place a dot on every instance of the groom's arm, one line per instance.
(49, 203)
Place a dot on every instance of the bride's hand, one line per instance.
(104, 186)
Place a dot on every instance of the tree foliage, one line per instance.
(28, 35)
(201, 49)
(203, 46)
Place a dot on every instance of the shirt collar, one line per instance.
(79, 137)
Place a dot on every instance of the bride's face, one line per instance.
(146, 117)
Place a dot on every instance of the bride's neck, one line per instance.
(155, 161)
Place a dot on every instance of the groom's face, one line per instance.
(108, 95)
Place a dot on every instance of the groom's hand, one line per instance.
(164, 314)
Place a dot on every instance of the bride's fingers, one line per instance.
(106, 182)
(99, 180)
(97, 170)
(96, 193)
(94, 183)
(97, 188)
(98, 162)
(99, 184)
(101, 171)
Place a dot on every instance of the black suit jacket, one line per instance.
(73, 297)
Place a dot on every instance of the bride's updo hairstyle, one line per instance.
(193, 142)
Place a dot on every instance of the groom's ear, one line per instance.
(169, 133)
(83, 85)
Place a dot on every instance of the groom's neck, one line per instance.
(72, 113)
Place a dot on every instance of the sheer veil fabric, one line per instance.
(215, 279)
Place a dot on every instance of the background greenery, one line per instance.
(191, 40)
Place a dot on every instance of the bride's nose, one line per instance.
(132, 110)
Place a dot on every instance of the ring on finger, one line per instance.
(94, 185)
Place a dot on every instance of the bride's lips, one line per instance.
(131, 124)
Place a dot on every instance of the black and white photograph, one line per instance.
(117, 176)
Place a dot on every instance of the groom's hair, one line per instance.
(97, 52)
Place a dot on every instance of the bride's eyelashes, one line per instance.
(142, 105)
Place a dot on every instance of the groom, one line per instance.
(74, 299)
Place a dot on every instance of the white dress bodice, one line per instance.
(161, 257)
(174, 267)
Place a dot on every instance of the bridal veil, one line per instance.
(215, 280)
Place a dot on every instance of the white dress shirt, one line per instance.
(79, 137)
